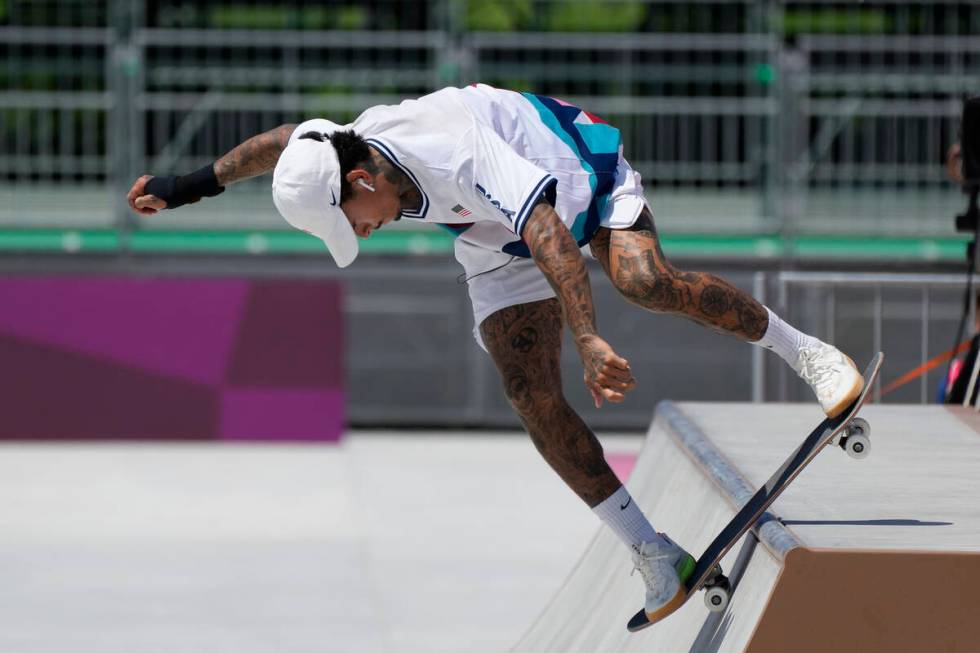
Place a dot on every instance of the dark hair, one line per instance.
(353, 152)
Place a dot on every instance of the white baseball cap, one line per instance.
(306, 190)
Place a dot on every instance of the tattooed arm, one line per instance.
(557, 254)
(254, 157)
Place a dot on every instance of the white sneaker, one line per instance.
(664, 567)
(832, 375)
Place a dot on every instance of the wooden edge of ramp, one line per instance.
(872, 600)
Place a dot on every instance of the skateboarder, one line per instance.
(523, 181)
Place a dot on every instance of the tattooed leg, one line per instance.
(525, 343)
(633, 260)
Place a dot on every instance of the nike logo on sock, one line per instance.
(623, 507)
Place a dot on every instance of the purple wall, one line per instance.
(107, 357)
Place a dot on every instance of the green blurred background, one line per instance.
(772, 130)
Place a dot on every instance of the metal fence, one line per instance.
(911, 317)
(743, 115)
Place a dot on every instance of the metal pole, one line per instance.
(973, 381)
(923, 380)
(124, 63)
(972, 299)
(783, 313)
(758, 353)
(972, 316)
(831, 314)
(879, 317)
(455, 57)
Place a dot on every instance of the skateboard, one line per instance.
(847, 431)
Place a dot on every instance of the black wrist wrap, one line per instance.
(185, 189)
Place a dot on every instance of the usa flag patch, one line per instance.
(461, 211)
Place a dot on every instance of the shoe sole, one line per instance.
(679, 598)
(849, 398)
(669, 607)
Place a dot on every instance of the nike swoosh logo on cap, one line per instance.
(625, 505)
(333, 198)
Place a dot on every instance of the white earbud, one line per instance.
(365, 184)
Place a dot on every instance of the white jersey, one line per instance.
(481, 158)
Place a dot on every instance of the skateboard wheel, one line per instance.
(857, 446)
(716, 598)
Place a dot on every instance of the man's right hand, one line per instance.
(142, 203)
(607, 375)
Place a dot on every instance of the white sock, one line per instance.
(622, 515)
(783, 339)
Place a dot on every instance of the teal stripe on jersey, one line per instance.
(601, 143)
(600, 138)
(455, 229)
(549, 119)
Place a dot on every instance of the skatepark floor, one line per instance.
(390, 541)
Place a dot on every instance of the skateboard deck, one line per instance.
(707, 571)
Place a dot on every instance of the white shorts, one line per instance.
(520, 281)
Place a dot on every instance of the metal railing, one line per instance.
(863, 313)
(742, 115)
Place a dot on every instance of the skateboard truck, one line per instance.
(855, 439)
(717, 591)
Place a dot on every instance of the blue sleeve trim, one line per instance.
(546, 185)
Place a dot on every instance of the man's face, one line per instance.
(367, 210)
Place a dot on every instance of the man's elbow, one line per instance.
(283, 132)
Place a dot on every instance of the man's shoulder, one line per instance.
(412, 120)
(421, 132)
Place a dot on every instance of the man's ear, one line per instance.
(362, 178)
(359, 173)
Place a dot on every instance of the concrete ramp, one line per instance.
(881, 554)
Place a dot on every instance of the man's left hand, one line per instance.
(142, 202)
(607, 375)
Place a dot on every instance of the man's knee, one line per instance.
(656, 286)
